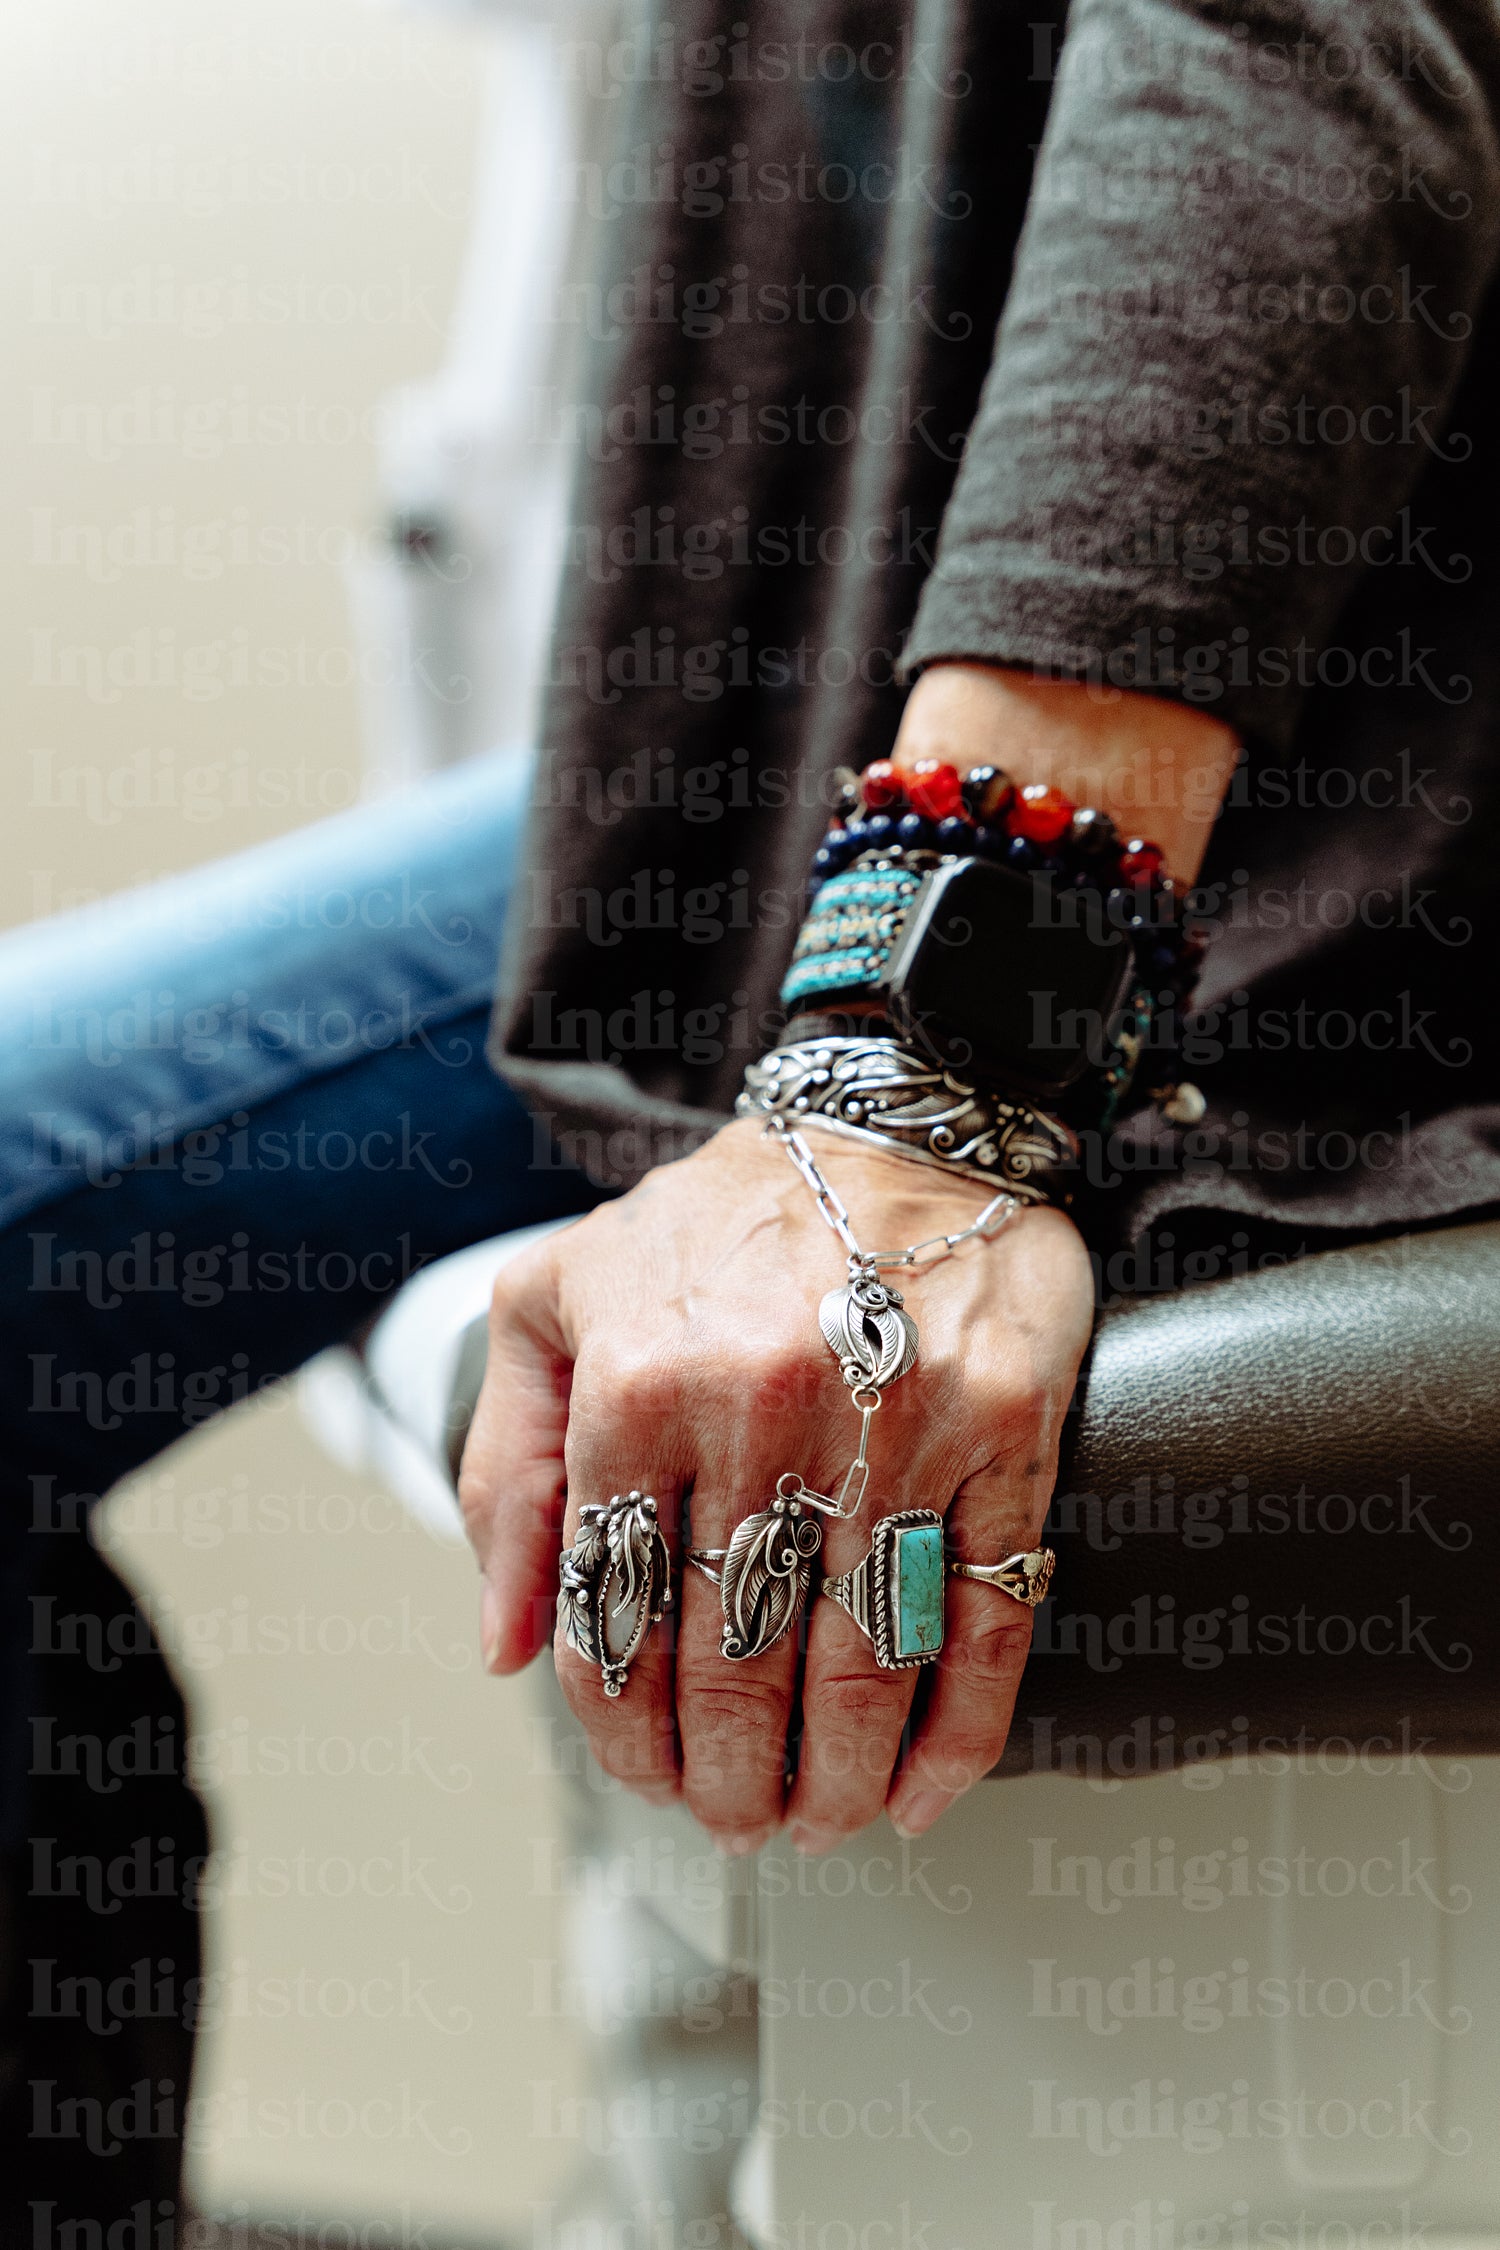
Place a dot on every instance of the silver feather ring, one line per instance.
(763, 1576)
(616, 1583)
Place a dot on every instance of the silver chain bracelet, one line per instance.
(997, 1213)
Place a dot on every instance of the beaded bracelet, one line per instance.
(891, 827)
(1035, 829)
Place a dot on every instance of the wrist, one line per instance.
(879, 1094)
(1010, 938)
(891, 1199)
(906, 1192)
(1151, 764)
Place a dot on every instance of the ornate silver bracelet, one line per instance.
(876, 1090)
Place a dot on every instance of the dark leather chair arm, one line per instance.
(1275, 1521)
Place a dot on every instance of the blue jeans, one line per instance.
(242, 1107)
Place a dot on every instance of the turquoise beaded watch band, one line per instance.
(846, 940)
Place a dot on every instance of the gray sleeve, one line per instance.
(1257, 241)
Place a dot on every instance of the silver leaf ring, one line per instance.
(763, 1575)
(615, 1583)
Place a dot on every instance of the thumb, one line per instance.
(512, 1486)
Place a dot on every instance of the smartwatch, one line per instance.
(1003, 976)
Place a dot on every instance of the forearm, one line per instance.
(1229, 338)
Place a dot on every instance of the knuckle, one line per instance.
(517, 1285)
(983, 1415)
(637, 1747)
(715, 1709)
(848, 1773)
(1015, 1403)
(1008, 1425)
(772, 1375)
(857, 1705)
(991, 1652)
(1028, 1404)
(950, 1399)
(964, 1756)
(476, 1504)
(634, 1381)
(948, 1367)
(733, 1745)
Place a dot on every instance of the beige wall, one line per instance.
(231, 229)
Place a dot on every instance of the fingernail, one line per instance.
(740, 1847)
(489, 1625)
(812, 1842)
(918, 1813)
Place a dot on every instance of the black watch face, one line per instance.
(1009, 977)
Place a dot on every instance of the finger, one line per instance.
(511, 1481)
(853, 1713)
(762, 1412)
(732, 1715)
(854, 1710)
(632, 1735)
(960, 1734)
(619, 1438)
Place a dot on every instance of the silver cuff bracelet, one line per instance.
(878, 1091)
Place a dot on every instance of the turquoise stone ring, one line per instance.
(895, 1596)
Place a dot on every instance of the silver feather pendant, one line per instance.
(864, 1326)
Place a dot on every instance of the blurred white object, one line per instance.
(454, 606)
(1243, 2007)
(388, 1410)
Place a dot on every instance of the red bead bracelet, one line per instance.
(1044, 816)
(1040, 813)
(935, 789)
(881, 786)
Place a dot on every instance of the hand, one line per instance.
(670, 1341)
